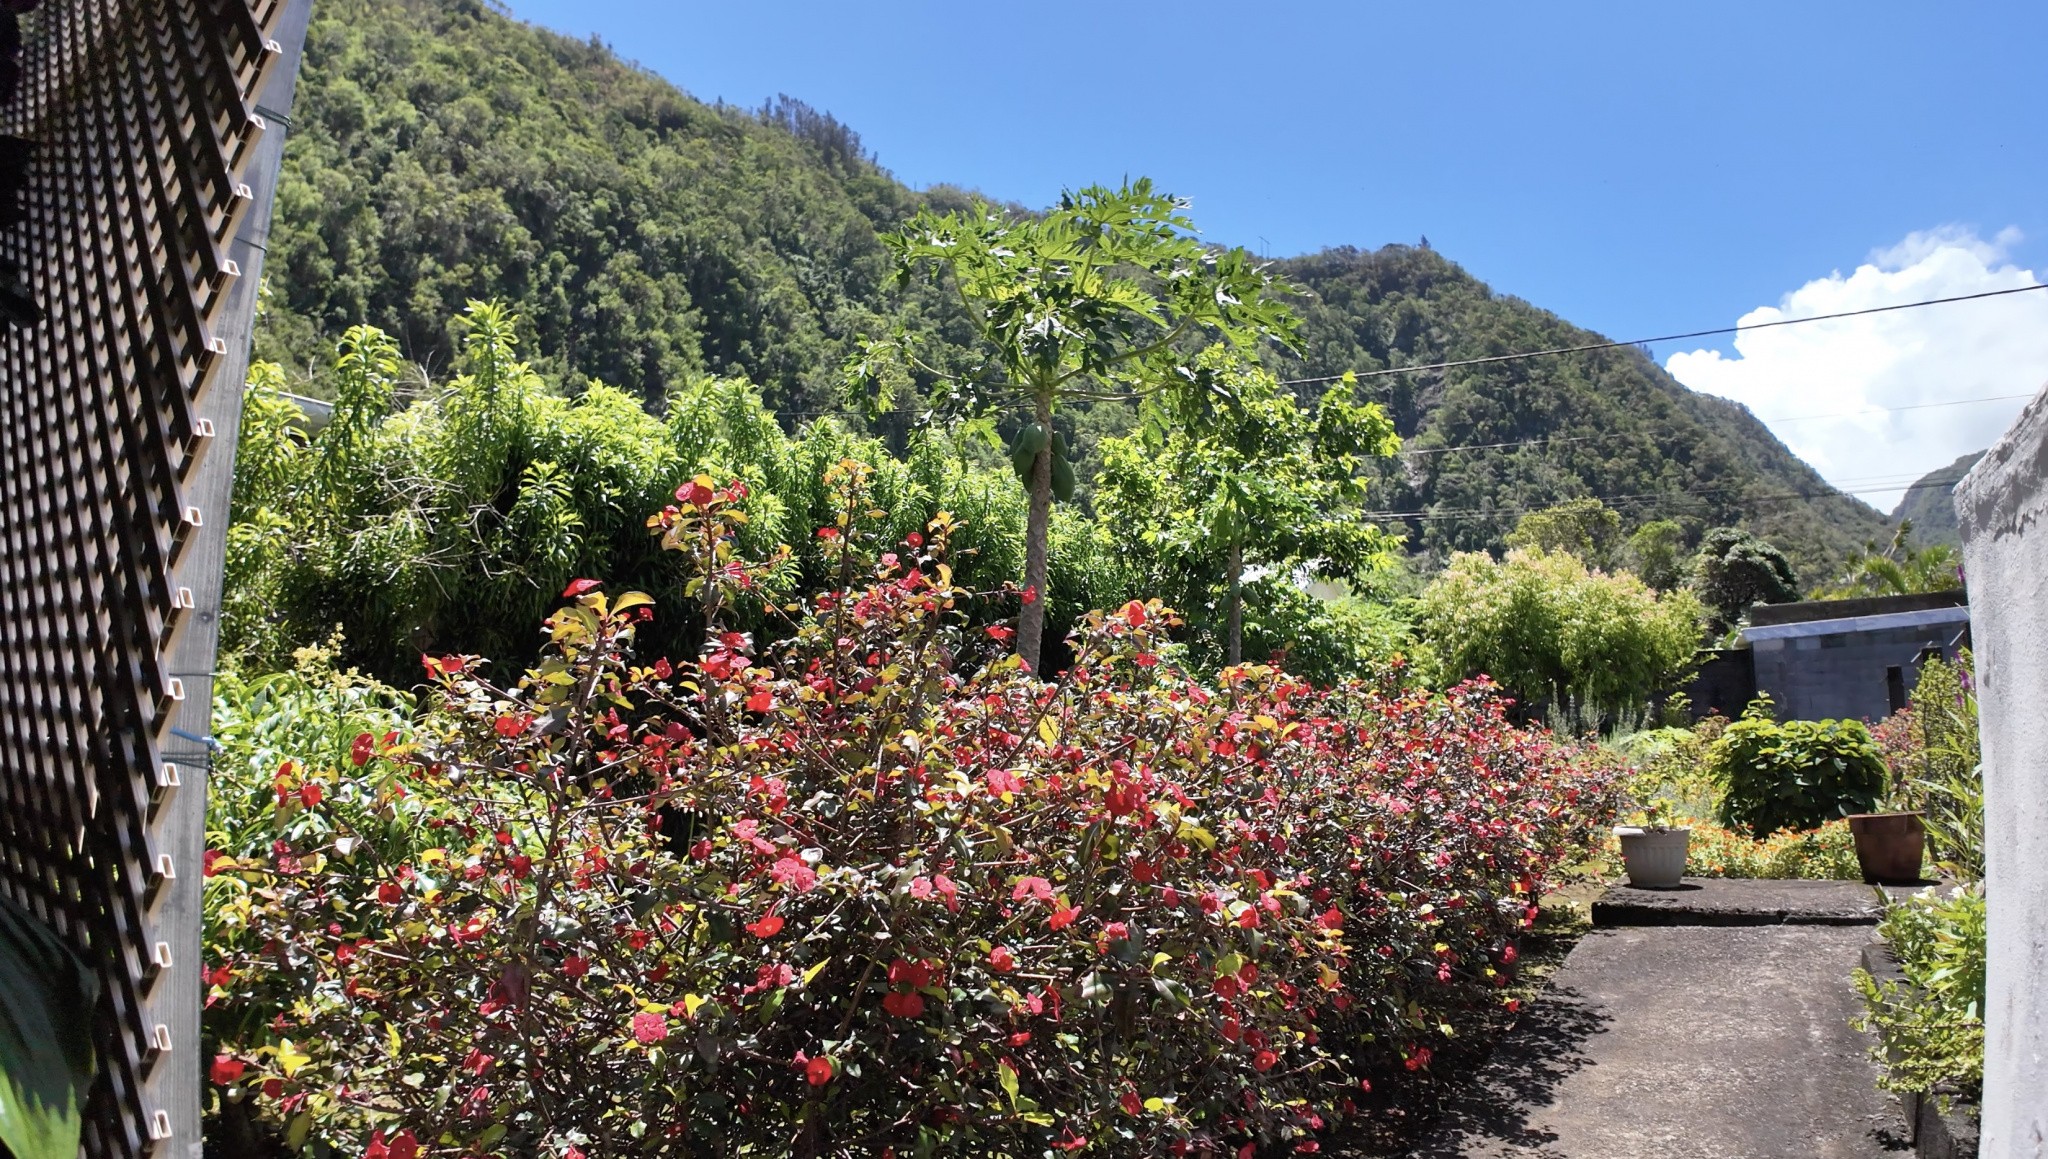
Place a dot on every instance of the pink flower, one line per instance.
(1001, 960)
(792, 872)
(649, 1028)
(1036, 888)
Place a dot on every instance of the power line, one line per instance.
(1544, 441)
(1878, 410)
(1455, 513)
(1493, 358)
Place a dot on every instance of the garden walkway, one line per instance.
(1706, 1023)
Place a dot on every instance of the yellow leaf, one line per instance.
(631, 600)
(692, 1001)
(289, 1058)
(391, 1034)
(1048, 730)
(813, 971)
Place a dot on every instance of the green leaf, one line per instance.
(46, 1056)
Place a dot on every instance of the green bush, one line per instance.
(1793, 775)
(1931, 1033)
(1546, 627)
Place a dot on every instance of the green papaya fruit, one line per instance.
(1030, 440)
(1062, 480)
(1059, 446)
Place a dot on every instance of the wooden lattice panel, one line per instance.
(149, 178)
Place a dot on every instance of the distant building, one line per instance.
(1825, 659)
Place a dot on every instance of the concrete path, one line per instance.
(1728, 1040)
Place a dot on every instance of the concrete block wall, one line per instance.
(2003, 508)
(1843, 676)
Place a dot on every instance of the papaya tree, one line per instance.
(1259, 480)
(1109, 295)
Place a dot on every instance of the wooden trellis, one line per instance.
(154, 129)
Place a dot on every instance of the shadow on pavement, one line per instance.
(1524, 1073)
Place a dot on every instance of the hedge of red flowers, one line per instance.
(877, 891)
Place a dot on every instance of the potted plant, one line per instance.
(1891, 842)
(1654, 850)
(1891, 839)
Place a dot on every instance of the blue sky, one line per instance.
(1637, 168)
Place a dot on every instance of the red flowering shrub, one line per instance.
(879, 891)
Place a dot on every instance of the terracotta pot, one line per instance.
(1655, 857)
(1889, 846)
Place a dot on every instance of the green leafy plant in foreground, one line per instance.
(47, 997)
(1796, 774)
(1930, 1029)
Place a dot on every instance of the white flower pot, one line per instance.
(1655, 857)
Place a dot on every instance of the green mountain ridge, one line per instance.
(443, 151)
(1930, 504)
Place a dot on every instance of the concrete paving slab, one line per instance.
(1713, 901)
(1697, 1042)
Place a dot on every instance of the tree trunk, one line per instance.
(1236, 629)
(1037, 529)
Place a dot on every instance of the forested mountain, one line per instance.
(442, 152)
(1930, 504)
(1609, 424)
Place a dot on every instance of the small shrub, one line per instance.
(1827, 853)
(1793, 775)
(1931, 1033)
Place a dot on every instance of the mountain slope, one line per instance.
(442, 151)
(1609, 423)
(1930, 504)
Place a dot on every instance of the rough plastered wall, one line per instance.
(2003, 505)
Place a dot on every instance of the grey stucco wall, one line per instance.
(2003, 505)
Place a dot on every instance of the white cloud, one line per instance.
(1904, 358)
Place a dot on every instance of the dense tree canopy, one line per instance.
(1735, 570)
(1548, 628)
